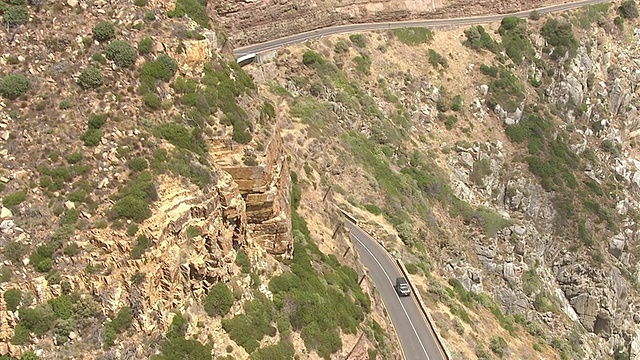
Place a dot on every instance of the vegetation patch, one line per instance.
(121, 53)
(300, 293)
(103, 31)
(14, 85)
(176, 346)
(515, 39)
(133, 201)
(559, 34)
(219, 300)
(249, 328)
(194, 9)
(413, 35)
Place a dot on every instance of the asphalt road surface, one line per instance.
(339, 29)
(415, 334)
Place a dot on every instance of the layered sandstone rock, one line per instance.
(266, 188)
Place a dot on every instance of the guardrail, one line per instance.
(424, 309)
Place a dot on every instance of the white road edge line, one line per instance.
(398, 297)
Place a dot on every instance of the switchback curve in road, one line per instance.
(340, 29)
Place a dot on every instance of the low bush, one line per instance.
(311, 57)
(145, 46)
(133, 201)
(14, 85)
(90, 78)
(104, 31)
(12, 298)
(413, 35)
(182, 137)
(152, 101)
(436, 60)
(163, 67)
(15, 15)
(219, 300)
(477, 38)
(121, 53)
(14, 199)
(559, 34)
(359, 40)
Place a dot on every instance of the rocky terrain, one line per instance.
(501, 164)
(159, 201)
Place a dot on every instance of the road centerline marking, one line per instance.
(398, 297)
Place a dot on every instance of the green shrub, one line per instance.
(477, 38)
(363, 64)
(16, 2)
(121, 53)
(436, 60)
(152, 101)
(74, 158)
(14, 251)
(138, 164)
(12, 298)
(182, 137)
(498, 346)
(341, 47)
(92, 137)
(219, 300)
(14, 85)
(242, 260)
(5, 274)
(413, 35)
(559, 35)
(96, 121)
(359, 40)
(162, 68)
(134, 199)
(145, 45)
(249, 328)
(38, 319)
(194, 9)
(14, 199)
(281, 350)
(311, 57)
(90, 78)
(103, 31)
(15, 15)
(140, 2)
(29, 355)
(628, 9)
(489, 70)
(141, 245)
(123, 320)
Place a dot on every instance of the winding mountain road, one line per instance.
(414, 332)
(340, 29)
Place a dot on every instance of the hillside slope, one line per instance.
(499, 161)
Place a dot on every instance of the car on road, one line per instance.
(402, 286)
